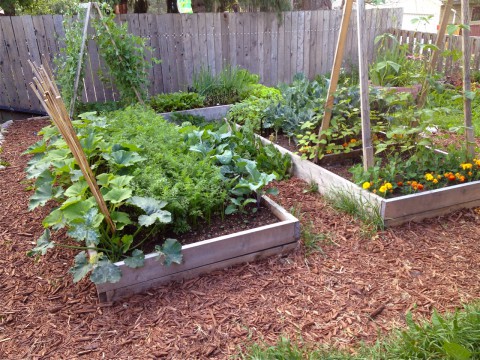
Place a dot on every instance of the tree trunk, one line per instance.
(316, 5)
(9, 9)
(140, 6)
(172, 7)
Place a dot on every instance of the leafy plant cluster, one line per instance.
(57, 177)
(298, 110)
(229, 86)
(176, 101)
(189, 183)
(405, 162)
(124, 53)
(246, 165)
(395, 65)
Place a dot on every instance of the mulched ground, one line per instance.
(358, 285)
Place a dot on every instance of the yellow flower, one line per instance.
(366, 185)
(435, 181)
(388, 186)
(383, 189)
(428, 177)
(353, 140)
(470, 173)
(466, 166)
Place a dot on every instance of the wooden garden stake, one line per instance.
(337, 63)
(364, 93)
(439, 43)
(47, 92)
(467, 102)
(80, 60)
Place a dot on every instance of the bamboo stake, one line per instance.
(337, 63)
(80, 60)
(47, 92)
(467, 102)
(364, 92)
(439, 43)
(140, 100)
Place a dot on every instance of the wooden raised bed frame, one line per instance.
(209, 255)
(394, 211)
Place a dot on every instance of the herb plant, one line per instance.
(176, 101)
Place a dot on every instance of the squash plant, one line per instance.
(58, 178)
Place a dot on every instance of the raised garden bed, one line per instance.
(394, 211)
(209, 255)
(209, 113)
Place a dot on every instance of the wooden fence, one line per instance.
(276, 49)
(450, 64)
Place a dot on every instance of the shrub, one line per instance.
(231, 85)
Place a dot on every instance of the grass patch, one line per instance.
(450, 336)
(359, 208)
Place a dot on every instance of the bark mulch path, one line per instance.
(360, 284)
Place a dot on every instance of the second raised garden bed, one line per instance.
(394, 211)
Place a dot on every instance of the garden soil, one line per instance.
(359, 284)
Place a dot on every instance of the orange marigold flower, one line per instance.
(353, 140)
(400, 183)
(420, 187)
(345, 144)
(451, 177)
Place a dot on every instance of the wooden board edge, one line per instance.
(120, 293)
(430, 214)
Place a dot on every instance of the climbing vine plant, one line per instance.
(67, 60)
(125, 55)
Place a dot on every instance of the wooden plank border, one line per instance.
(208, 255)
(394, 211)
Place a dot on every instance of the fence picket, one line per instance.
(302, 41)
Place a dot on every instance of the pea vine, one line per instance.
(66, 61)
(125, 56)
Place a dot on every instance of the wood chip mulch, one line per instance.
(360, 284)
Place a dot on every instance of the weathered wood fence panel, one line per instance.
(276, 49)
(448, 64)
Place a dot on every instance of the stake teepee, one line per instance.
(47, 92)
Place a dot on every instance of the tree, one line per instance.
(9, 6)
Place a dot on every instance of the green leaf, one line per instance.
(147, 204)
(43, 244)
(55, 219)
(470, 95)
(127, 241)
(123, 158)
(121, 219)
(77, 189)
(136, 260)
(117, 195)
(225, 158)
(272, 191)
(231, 209)
(121, 181)
(457, 351)
(162, 216)
(171, 250)
(87, 230)
(104, 179)
(45, 177)
(77, 210)
(43, 194)
(105, 272)
(81, 267)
